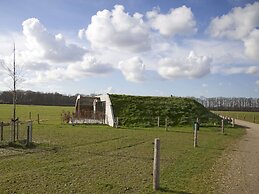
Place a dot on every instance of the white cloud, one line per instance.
(36, 66)
(118, 30)
(81, 33)
(1, 67)
(178, 21)
(109, 90)
(237, 24)
(222, 51)
(240, 24)
(193, 67)
(252, 44)
(89, 66)
(44, 45)
(230, 70)
(133, 69)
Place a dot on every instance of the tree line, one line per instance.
(56, 99)
(37, 98)
(230, 104)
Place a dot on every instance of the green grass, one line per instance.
(252, 117)
(49, 114)
(144, 110)
(101, 159)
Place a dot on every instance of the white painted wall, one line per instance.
(109, 118)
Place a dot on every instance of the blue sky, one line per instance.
(141, 47)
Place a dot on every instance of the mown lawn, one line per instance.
(101, 159)
(252, 117)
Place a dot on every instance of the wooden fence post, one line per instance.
(17, 128)
(38, 118)
(156, 164)
(2, 131)
(158, 121)
(61, 119)
(29, 134)
(195, 142)
(12, 131)
(254, 118)
(222, 126)
(166, 127)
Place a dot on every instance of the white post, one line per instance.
(222, 126)
(195, 143)
(117, 122)
(156, 164)
(233, 122)
(94, 106)
(158, 124)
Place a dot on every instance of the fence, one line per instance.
(164, 121)
(16, 131)
(87, 117)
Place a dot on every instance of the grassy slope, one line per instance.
(246, 116)
(144, 110)
(100, 159)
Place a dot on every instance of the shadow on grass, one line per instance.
(210, 148)
(20, 144)
(167, 190)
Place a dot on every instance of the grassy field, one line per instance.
(101, 159)
(49, 114)
(246, 116)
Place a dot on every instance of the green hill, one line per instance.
(143, 111)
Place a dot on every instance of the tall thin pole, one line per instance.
(14, 94)
(14, 85)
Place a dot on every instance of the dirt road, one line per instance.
(241, 170)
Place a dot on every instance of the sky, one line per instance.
(138, 47)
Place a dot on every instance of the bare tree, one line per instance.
(12, 73)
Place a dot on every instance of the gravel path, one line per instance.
(241, 164)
